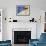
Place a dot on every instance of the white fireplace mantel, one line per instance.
(26, 27)
(21, 29)
(14, 26)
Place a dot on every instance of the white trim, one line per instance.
(1, 25)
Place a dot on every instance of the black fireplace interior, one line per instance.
(22, 37)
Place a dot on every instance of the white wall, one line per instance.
(11, 3)
(4, 24)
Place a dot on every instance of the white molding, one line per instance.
(1, 26)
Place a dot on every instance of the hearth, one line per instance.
(22, 37)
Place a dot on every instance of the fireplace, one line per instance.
(22, 37)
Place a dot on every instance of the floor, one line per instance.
(20, 45)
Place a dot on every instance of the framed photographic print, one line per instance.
(22, 10)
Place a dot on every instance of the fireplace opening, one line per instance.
(22, 37)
